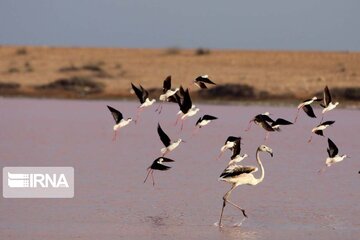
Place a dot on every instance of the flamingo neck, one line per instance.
(259, 180)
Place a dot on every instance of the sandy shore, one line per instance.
(24, 71)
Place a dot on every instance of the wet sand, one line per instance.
(111, 201)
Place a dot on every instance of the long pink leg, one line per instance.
(159, 108)
(266, 136)
(297, 115)
(114, 137)
(196, 129)
(249, 126)
(152, 177)
(182, 124)
(177, 120)
(138, 115)
(147, 175)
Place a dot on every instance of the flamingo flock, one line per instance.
(234, 173)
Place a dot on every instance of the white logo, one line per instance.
(33, 180)
(38, 182)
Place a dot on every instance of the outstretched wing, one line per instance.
(209, 117)
(232, 139)
(319, 132)
(201, 85)
(204, 79)
(327, 123)
(198, 121)
(159, 166)
(281, 121)
(116, 114)
(167, 84)
(265, 118)
(266, 126)
(187, 103)
(309, 111)
(163, 137)
(138, 93)
(332, 150)
(327, 96)
(145, 94)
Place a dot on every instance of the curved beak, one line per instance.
(271, 152)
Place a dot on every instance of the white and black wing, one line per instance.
(327, 123)
(309, 111)
(163, 137)
(332, 150)
(237, 171)
(116, 114)
(209, 117)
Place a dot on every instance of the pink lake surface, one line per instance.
(112, 202)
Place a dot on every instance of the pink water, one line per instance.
(111, 201)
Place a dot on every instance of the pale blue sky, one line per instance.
(229, 24)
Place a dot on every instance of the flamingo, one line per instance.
(238, 175)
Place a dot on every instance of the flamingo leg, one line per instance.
(182, 124)
(225, 200)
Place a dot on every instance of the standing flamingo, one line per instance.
(238, 175)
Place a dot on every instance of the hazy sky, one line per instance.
(235, 24)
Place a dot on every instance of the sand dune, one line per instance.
(279, 73)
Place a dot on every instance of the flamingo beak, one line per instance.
(271, 153)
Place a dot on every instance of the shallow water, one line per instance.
(111, 201)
